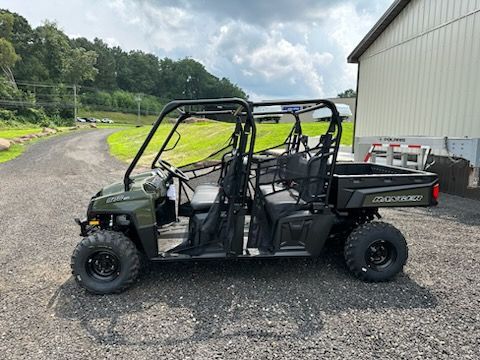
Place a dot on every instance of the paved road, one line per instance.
(236, 310)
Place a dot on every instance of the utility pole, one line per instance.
(139, 99)
(74, 102)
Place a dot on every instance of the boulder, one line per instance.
(4, 144)
(93, 126)
(49, 131)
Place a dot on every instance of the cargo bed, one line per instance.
(361, 185)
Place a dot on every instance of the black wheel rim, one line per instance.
(380, 255)
(103, 265)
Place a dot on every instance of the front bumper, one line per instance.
(84, 227)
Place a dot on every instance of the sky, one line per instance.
(272, 49)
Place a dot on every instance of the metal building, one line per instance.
(419, 70)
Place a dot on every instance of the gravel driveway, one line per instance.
(236, 310)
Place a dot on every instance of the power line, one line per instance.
(68, 105)
(22, 83)
(17, 103)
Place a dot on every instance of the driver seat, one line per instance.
(204, 196)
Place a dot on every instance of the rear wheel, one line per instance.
(105, 262)
(376, 251)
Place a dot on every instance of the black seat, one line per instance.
(280, 202)
(204, 197)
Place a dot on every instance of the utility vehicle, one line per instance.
(267, 115)
(241, 201)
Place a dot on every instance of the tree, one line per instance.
(106, 65)
(6, 24)
(349, 93)
(46, 55)
(80, 66)
(8, 58)
(52, 48)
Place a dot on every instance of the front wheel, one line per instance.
(105, 262)
(376, 251)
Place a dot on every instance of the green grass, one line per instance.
(201, 139)
(114, 126)
(13, 133)
(118, 117)
(14, 151)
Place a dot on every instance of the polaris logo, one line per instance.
(397, 198)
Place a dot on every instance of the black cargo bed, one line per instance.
(358, 185)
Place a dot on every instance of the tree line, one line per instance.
(40, 66)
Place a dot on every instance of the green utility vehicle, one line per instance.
(238, 202)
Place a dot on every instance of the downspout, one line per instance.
(356, 107)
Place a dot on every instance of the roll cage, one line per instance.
(244, 112)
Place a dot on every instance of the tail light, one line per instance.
(435, 192)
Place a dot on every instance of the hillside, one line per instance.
(124, 144)
(45, 73)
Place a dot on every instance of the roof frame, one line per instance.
(386, 19)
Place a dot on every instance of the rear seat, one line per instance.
(281, 202)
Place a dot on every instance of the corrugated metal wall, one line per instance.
(422, 75)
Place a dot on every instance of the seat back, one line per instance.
(315, 185)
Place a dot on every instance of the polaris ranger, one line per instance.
(241, 202)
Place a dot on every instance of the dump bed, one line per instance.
(362, 185)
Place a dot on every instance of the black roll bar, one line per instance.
(175, 105)
(335, 124)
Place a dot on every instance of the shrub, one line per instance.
(7, 115)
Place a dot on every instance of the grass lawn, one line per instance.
(14, 151)
(198, 140)
(13, 133)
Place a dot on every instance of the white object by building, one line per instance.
(325, 113)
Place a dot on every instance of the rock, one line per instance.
(49, 131)
(4, 144)
(93, 126)
(28, 136)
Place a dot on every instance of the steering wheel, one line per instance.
(173, 170)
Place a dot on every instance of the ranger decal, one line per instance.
(397, 198)
(117, 198)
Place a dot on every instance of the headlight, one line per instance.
(149, 187)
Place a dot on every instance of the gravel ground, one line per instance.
(235, 310)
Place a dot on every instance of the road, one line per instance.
(234, 310)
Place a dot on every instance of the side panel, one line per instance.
(304, 230)
(140, 211)
(395, 196)
(137, 202)
(358, 185)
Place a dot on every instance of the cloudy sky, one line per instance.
(272, 49)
